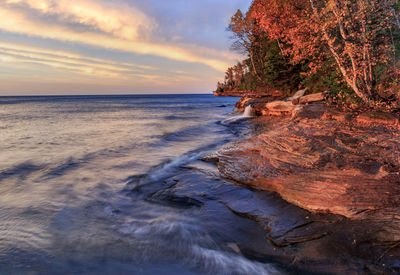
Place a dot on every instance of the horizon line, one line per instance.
(69, 95)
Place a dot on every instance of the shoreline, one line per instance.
(341, 166)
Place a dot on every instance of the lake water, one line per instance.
(71, 173)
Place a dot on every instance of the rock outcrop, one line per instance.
(339, 173)
(259, 93)
(309, 98)
(261, 226)
(321, 161)
(276, 106)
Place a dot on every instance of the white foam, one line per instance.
(229, 263)
(165, 170)
(248, 111)
(188, 241)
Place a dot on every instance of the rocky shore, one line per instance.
(342, 168)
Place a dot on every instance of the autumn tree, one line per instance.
(353, 32)
(356, 34)
(244, 36)
(344, 45)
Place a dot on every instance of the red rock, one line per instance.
(309, 98)
(235, 93)
(277, 93)
(378, 119)
(258, 103)
(322, 165)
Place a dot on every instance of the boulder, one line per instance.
(257, 103)
(242, 103)
(278, 108)
(309, 98)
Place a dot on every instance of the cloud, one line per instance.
(68, 61)
(112, 25)
(120, 20)
(114, 46)
(23, 56)
(5, 58)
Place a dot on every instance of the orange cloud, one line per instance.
(21, 55)
(122, 21)
(108, 26)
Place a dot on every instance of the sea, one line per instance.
(76, 179)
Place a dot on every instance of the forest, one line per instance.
(349, 48)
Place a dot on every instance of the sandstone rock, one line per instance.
(236, 93)
(257, 103)
(339, 116)
(297, 110)
(372, 119)
(309, 98)
(279, 108)
(263, 227)
(277, 93)
(321, 165)
(242, 103)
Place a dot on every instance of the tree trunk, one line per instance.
(280, 47)
(252, 64)
(350, 75)
(396, 17)
(394, 46)
(366, 65)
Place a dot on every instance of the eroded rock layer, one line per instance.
(322, 160)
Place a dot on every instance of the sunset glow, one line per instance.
(89, 46)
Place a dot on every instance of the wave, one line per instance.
(229, 263)
(191, 245)
(162, 171)
(185, 133)
(248, 111)
(69, 165)
(169, 168)
(238, 118)
(63, 166)
(21, 170)
(17, 234)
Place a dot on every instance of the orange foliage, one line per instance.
(353, 32)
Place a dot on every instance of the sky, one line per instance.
(114, 47)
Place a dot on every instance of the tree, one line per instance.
(243, 29)
(238, 73)
(229, 77)
(354, 32)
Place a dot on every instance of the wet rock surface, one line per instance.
(261, 226)
(343, 167)
(314, 193)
